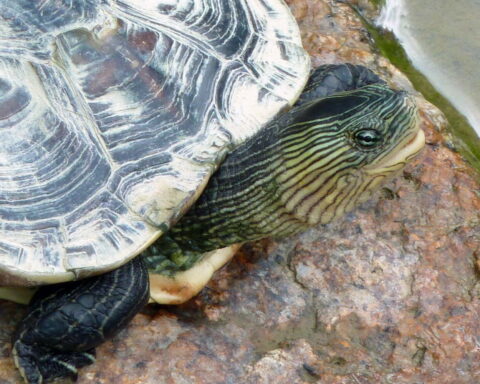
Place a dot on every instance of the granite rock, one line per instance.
(388, 294)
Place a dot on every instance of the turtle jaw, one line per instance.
(405, 151)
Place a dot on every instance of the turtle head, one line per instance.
(338, 149)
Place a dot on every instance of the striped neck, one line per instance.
(309, 166)
(301, 178)
(241, 201)
(314, 176)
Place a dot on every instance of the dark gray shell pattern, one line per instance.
(114, 113)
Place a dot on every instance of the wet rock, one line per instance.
(388, 294)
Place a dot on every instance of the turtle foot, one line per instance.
(66, 322)
(38, 364)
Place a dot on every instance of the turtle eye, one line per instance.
(368, 138)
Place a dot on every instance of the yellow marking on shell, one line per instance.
(108, 29)
(185, 285)
(19, 295)
(10, 277)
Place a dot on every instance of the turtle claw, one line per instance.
(66, 322)
(39, 365)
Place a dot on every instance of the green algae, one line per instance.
(464, 137)
(378, 3)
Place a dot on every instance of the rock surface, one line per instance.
(389, 294)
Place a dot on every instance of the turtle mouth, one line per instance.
(401, 155)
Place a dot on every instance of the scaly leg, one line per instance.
(67, 321)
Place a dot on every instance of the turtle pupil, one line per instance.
(368, 138)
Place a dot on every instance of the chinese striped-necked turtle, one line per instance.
(123, 120)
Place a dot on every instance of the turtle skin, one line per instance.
(65, 322)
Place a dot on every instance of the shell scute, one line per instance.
(113, 114)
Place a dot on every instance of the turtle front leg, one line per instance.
(65, 322)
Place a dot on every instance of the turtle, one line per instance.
(141, 141)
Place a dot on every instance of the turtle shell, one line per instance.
(114, 113)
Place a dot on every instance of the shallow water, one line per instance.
(442, 39)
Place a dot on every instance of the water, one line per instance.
(442, 39)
